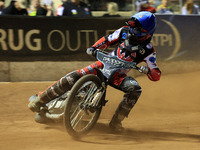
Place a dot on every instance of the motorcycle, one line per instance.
(80, 108)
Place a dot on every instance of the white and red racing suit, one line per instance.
(147, 54)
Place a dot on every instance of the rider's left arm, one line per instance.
(154, 73)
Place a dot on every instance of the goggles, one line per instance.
(138, 31)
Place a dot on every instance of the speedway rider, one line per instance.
(133, 45)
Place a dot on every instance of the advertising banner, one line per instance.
(66, 39)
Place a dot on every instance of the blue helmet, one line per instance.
(142, 24)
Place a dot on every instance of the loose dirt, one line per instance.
(166, 117)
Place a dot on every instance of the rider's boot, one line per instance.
(115, 124)
(54, 91)
(122, 111)
(35, 103)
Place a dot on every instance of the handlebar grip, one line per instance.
(136, 67)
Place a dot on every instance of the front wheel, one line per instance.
(81, 113)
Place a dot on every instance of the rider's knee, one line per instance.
(132, 92)
(68, 81)
(60, 87)
(65, 83)
(131, 87)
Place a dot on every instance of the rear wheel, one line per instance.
(81, 113)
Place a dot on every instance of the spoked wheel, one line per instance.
(81, 112)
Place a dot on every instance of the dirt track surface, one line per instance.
(166, 117)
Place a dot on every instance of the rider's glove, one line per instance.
(91, 51)
(145, 69)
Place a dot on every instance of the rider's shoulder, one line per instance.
(123, 31)
(125, 28)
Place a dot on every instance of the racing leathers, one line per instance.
(135, 52)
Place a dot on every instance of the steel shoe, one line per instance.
(41, 118)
